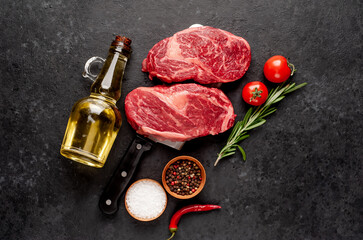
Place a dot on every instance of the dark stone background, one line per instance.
(303, 174)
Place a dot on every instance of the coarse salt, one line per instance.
(146, 199)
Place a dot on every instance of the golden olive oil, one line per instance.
(95, 120)
(92, 129)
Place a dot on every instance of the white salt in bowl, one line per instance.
(145, 200)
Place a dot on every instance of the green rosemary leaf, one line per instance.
(291, 85)
(264, 110)
(228, 154)
(270, 111)
(272, 92)
(232, 149)
(295, 88)
(243, 137)
(275, 96)
(242, 151)
(256, 124)
(247, 116)
(279, 99)
(234, 130)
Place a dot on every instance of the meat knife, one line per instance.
(121, 177)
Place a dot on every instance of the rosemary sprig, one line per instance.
(254, 118)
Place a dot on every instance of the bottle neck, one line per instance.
(108, 82)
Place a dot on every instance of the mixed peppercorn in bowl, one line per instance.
(184, 177)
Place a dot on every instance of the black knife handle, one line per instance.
(123, 174)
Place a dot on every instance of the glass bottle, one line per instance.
(95, 120)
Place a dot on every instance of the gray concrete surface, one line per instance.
(303, 174)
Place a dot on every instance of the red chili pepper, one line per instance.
(173, 226)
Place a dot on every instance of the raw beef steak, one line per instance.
(180, 112)
(205, 54)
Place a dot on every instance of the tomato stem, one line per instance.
(256, 93)
(292, 67)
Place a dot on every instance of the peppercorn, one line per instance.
(181, 177)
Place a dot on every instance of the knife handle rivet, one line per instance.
(123, 174)
(108, 202)
(138, 146)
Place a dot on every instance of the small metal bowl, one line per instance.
(202, 174)
(145, 219)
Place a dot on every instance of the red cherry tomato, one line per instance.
(277, 69)
(255, 93)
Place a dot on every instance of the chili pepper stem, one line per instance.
(172, 235)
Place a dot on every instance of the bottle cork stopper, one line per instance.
(120, 40)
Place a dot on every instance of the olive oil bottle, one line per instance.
(95, 120)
